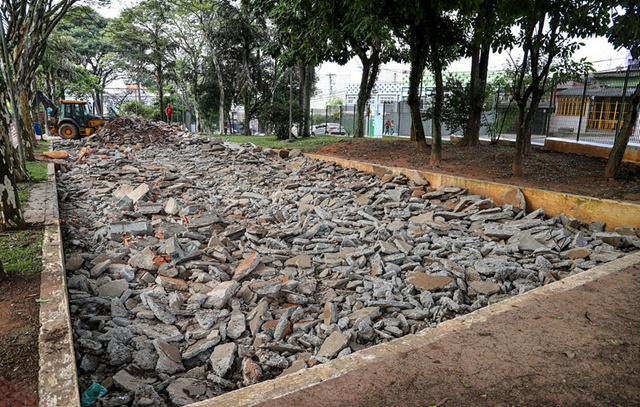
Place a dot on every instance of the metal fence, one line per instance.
(594, 109)
(590, 110)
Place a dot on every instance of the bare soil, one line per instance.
(19, 328)
(550, 170)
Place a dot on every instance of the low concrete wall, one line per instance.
(631, 154)
(58, 382)
(613, 213)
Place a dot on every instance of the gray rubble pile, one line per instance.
(136, 130)
(202, 267)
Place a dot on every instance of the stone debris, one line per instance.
(138, 131)
(196, 267)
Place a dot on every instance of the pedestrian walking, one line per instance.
(387, 126)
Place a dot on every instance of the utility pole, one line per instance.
(290, 104)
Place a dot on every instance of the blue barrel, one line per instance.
(36, 127)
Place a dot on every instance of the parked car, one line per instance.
(328, 128)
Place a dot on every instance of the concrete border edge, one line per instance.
(58, 381)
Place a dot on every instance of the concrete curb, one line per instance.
(281, 387)
(58, 381)
(613, 213)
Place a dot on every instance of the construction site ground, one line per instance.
(579, 347)
(573, 345)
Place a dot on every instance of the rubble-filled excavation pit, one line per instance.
(196, 267)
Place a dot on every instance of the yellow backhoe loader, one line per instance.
(72, 120)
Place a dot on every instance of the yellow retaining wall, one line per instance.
(587, 209)
(632, 153)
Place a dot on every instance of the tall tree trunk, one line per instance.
(516, 165)
(216, 65)
(484, 24)
(306, 74)
(97, 103)
(28, 132)
(436, 145)
(196, 97)
(477, 86)
(10, 212)
(160, 80)
(3, 274)
(246, 131)
(622, 138)
(370, 70)
(413, 99)
(536, 96)
(12, 154)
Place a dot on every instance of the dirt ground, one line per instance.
(19, 327)
(549, 170)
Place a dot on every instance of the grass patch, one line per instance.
(306, 145)
(21, 252)
(37, 170)
(43, 145)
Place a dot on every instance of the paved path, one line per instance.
(34, 211)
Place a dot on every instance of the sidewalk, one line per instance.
(34, 211)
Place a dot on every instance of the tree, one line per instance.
(211, 22)
(10, 210)
(408, 19)
(624, 32)
(28, 26)
(431, 33)
(251, 27)
(302, 49)
(335, 101)
(57, 66)
(548, 31)
(91, 51)
(487, 20)
(190, 56)
(360, 29)
(455, 114)
(143, 44)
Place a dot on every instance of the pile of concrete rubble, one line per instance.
(139, 131)
(200, 268)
